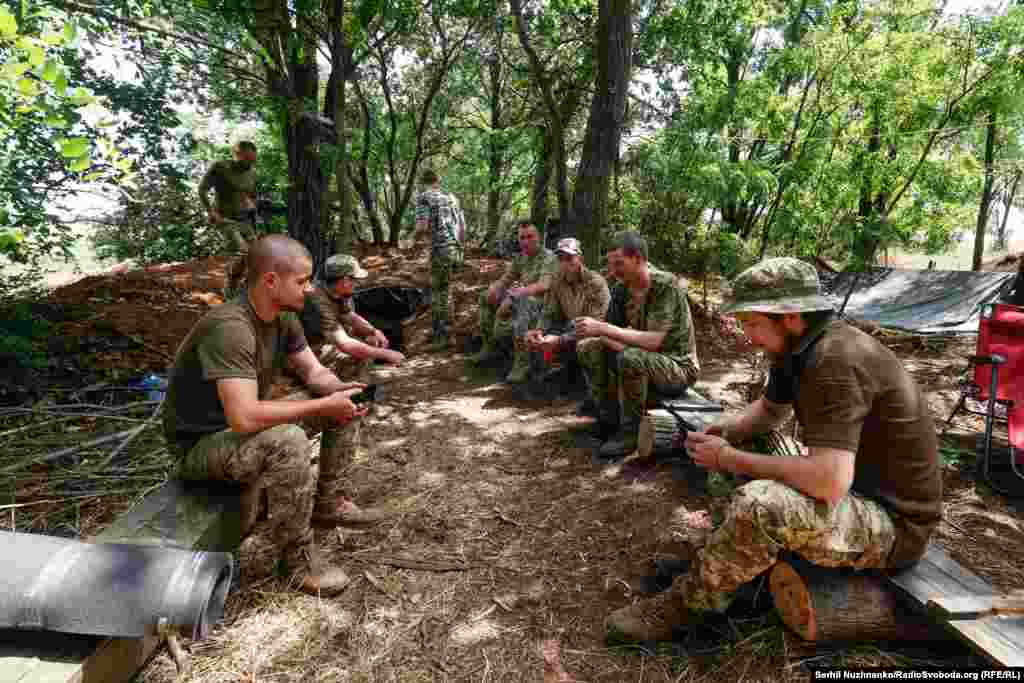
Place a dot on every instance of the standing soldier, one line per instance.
(438, 212)
(575, 293)
(234, 184)
(656, 344)
(867, 496)
(508, 314)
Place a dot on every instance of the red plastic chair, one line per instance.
(998, 380)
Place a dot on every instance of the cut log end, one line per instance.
(793, 601)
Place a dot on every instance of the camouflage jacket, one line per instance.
(665, 309)
(526, 269)
(447, 224)
(575, 296)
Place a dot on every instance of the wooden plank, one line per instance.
(937, 577)
(200, 516)
(975, 606)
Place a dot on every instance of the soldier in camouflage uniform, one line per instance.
(508, 313)
(655, 344)
(220, 422)
(344, 340)
(234, 184)
(438, 213)
(867, 495)
(575, 292)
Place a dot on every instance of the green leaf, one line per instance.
(56, 121)
(50, 71)
(28, 87)
(52, 38)
(13, 70)
(81, 163)
(8, 24)
(81, 97)
(70, 32)
(36, 55)
(61, 85)
(95, 175)
(73, 148)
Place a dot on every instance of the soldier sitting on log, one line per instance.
(868, 494)
(221, 424)
(575, 292)
(507, 313)
(346, 342)
(654, 344)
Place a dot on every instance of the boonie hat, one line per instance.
(343, 265)
(570, 246)
(778, 285)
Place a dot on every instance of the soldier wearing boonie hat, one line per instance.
(867, 495)
(346, 342)
(576, 291)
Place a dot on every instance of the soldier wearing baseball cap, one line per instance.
(576, 291)
(867, 495)
(344, 340)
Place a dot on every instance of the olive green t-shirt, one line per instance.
(230, 341)
(332, 312)
(230, 184)
(665, 308)
(854, 394)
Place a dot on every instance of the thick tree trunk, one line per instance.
(986, 193)
(306, 187)
(604, 126)
(541, 176)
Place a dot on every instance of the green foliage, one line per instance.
(23, 334)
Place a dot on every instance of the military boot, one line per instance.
(624, 442)
(520, 369)
(488, 356)
(311, 574)
(439, 342)
(608, 420)
(651, 619)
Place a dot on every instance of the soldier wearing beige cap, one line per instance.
(576, 291)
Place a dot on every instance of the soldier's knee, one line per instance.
(291, 441)
(771, 503)
(633, 358)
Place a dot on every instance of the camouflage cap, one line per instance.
(778, 285)
(343, 265)
(570, 246)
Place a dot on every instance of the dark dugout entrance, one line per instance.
(388, 307)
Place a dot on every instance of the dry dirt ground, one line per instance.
(504, 535)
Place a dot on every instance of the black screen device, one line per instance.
(366, 395)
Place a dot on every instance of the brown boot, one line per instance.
(314, 576)
(346, 512)
(650, 619)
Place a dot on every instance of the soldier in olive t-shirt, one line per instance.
(234, 208)
(222, 423)
(867, 495)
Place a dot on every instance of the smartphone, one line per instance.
(366, 395)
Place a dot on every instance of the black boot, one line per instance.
(623, 443)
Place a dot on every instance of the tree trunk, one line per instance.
(362, 181)
(604, 126)
(306, 187)
(986, 193)
(829, 605)
(496, 150)
(541, 177)
(1007, 207)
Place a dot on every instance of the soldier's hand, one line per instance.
(588, 327)
(216, 217)
(533, 338)
(493, 295)
(706, 449)
(393, 357)
(517, 292)
(341, 408)
(378, 339)
(612, 345)
(550, 342)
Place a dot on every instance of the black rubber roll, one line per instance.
(109, 589)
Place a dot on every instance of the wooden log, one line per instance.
(659, 435)
(830, 605)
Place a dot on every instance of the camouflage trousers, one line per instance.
(627, 375)
(442, 263)
(510, 319)
(237, 235)
(766, 517)
(279, 461)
